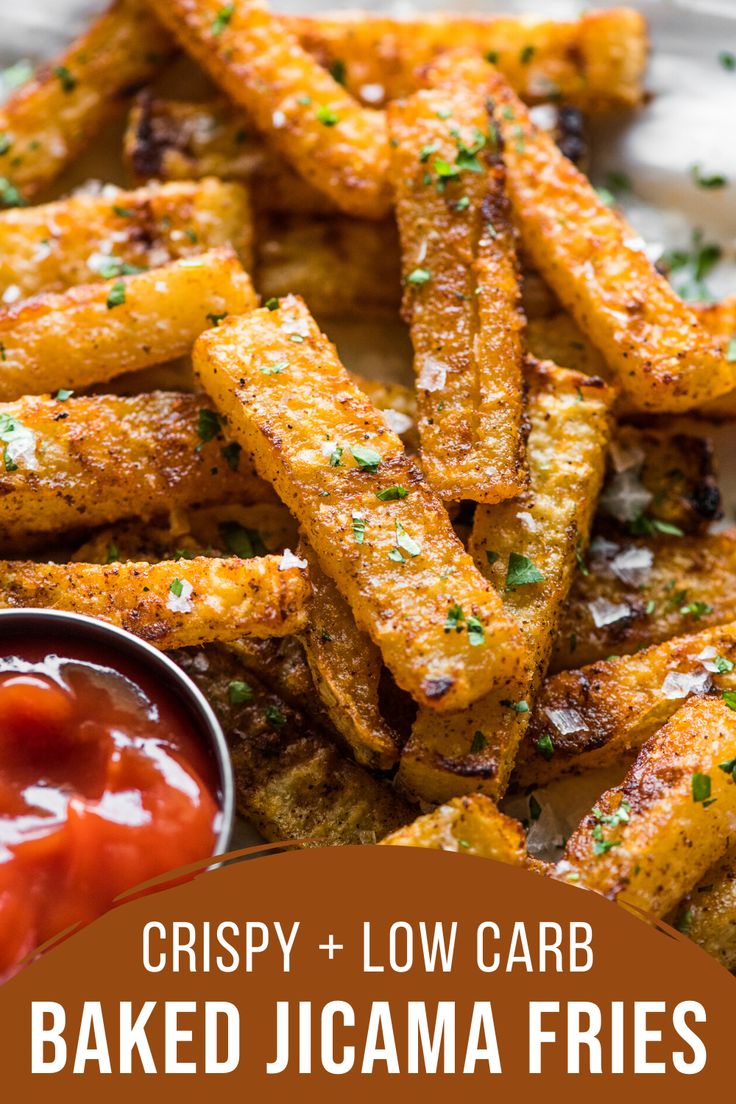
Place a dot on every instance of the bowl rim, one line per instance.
(190, 697)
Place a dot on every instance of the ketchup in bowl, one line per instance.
(105, 782)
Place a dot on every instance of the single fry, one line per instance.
(346, 667)
(377, 529)
(92, 333)
(335, 144)
(50, 119)
(555, 337)
(648, 842)
(461, 294)
(664, 360)
(292, 780)
(596, 62)
(472, 825)
(84, 462)
(88, 237)
(660, 589)
(528, 547)
(602, 714)
(171, 604)
(708, 914)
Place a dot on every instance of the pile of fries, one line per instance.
(389, 594)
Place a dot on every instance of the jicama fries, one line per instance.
(47, 121)
(648, 842)
(640, 592)
(602, 714)
(93, 237)
(596, 62)
(472, 825)
(663, 358)
(292, 781)
(336, 144)
(91, 334)
(528, 547)
(80, 462)
(461, 294)
(377, 529)
(171, 604)
(708, 914)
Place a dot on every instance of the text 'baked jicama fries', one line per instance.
(600, 715)
(74, 462)
(528, 547)
(664, 360)
(336, 144)
(640, 592)
(47, 121)
(292, 781)
(596, 62)
(172, 604)
(93, 237)
(346, 668)
(377, 529)
(461, 294)
(648, 842)
(92, 333)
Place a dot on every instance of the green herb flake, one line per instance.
(275, 717)
(116, 295)
(272, 304)
(63, 394)
(239, 692)
(731, 351)
(67, 80)
(216, 319)
(176, 588)
(492, 556)
(418, 277)
(729, 698)
(122, 212)
(336, 456)
(231, 454)
(701, 787)
(358, 528)
(521, 572)
(241, 542)
(4, 144)
(478, 744)
(338, 71)
(454, 618)
(405, 542)
(391, 494)
(113, 553)
(545, 746)
(222, 19)
(208, 424)
(527, 54)
(723, 665)
(274, 369)
(327, 116)
(366, 458)
(729, 767)
(685, 922)
(426, 151)
(711, 182)
(696, 610)
(476, 634)
(461, 204)
(727, 60)
(9, 194)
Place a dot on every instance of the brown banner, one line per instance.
(362, 971)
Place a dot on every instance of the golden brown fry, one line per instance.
(598, 716)
(557, 338)
(708, 914)
(650, 840)
(49, 120)
(540, 533)
(376, 527)
(83, 462)
(340, 266)
(292, 782)
(472, 825)
(172, 604)
(663, 358)
(346, 668)
(77, 240)
(462, 294)
(92, 333)
(338, 146)
(596, 62)
(685, 584)
(659, 480)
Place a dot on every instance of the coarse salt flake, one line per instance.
(433, 374)
(678, 684)
(288, 560)
(566, 721)
(608, 613)
(182, 602)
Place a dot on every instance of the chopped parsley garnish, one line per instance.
(644, 526)
(4, 144)
(241, 542)
(113, 553)
(275, 717)
(602, 846)
(729, 767)
(696, 264)
(216, 319)
(426, 151)
(462, 204)
(518, 707)
(453, 619)
(327, 116)
(222, 19)
(476, 635)
(722, 665)
(208, 424)
(521, 572)
(731, 351)
(63, 394)
(406, 543)
(696, 609)
(685, 922)
(456, 621)
(272, 304)
(115, 267)
(358, 529)
(545, 746)
(67, 80)
(122, 212)
(491, 56)
(184, 554)
(337, 71)
(618, 182)
(606, 196)
(239, 692)
(491, 556)
(729, 697)
(527, 54)
(366, 458)
(391, 494)
(176, 588)
(716, 180)
(727, 60)
(231, 454)
(418, 277)
(9, 194)
(479, 743)
(16, 75)
(701, 787)
(466, 159)
(14, 432)
(274, 369)
(116, 295)
(336, 456)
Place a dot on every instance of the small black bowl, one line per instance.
(45, 624)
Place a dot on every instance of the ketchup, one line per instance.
(104, 784)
